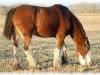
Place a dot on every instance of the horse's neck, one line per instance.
(78, 31)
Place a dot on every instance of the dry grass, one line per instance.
(90, 22)
(42, 50)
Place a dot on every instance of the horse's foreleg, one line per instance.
(58, 52)
(29, 58)
(64, 57)
(16, 65)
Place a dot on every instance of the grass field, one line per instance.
(42, 50)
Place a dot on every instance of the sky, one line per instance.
(45, 2)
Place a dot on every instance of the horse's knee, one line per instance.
(25, 48)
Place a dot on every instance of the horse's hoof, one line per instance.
(57, 66)
(17, 67)
(64, 61)
(31, 68)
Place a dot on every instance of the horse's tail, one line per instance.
(8, 31)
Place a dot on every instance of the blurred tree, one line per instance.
(81, 8)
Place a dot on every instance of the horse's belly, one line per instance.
(46, 32)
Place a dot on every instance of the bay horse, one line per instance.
(55, 21)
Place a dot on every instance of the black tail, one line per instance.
(8, 31)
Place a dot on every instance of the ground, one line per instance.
(42, 50)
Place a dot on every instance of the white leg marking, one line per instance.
(30, 59)
(82, 61)
(15, 55)
(14, 50)
(65, 50)
(58, 53)
(86, 60)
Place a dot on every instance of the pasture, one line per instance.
(42, 49)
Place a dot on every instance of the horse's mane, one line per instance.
(77, 22)
(67, 13)
(63, 9)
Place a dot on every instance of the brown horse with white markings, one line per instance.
(55, 21)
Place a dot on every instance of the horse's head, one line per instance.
(84, 53)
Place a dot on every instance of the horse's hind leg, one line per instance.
(16, 65)
(29, 58)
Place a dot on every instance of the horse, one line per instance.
(55, 21)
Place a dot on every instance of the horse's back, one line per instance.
(51, 20)
(44, 21)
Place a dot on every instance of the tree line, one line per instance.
(81, 8)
